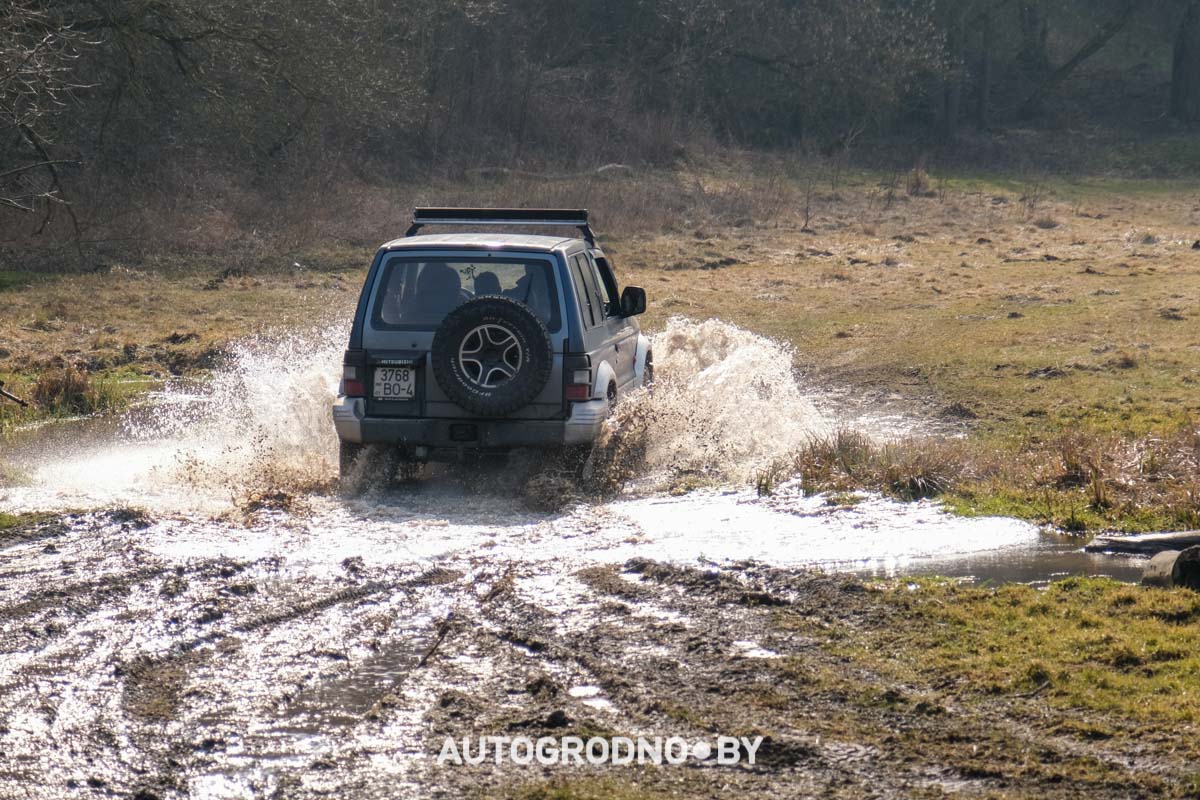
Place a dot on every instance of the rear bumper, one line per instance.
(582, 427)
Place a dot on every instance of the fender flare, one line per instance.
(605, 375)
(639, 359)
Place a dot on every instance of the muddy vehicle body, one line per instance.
(471, 343)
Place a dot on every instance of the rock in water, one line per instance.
(1186, 571)
(1158, 569)
(1174, 568)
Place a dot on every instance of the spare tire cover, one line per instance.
(492, 355)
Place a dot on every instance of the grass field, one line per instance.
(1047, 332)
(1053, 323)
(1080, 689)
(1058, 323)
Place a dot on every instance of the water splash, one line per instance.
(725, 404)
(259, 425)
(263, 423)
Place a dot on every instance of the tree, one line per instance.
(983, 80)
(36, 80)
(955, 23)
(1185, 68)
(825, 69)
(1107, 31)
(1032, 56)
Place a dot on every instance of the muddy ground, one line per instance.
(147, 657)
(219, 621)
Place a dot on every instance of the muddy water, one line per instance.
(216, 618)
(726, 405)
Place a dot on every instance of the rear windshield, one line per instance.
(415, 293)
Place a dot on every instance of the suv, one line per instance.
(481, 342)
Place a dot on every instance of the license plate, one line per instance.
(395, 383)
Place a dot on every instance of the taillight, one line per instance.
(577, 374)
(352, 382)
(579, 385)
(354, 373)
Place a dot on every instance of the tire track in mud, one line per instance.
(142, 615)
(338, 699)
(156, 687)
(292, 678)
(80, 599)
(661, 644)
(619, 638)
(346, 682)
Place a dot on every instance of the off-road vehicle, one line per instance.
(470, 343)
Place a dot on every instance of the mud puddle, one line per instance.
(208, 615)
(727, 403)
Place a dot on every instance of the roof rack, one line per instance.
(575, 217)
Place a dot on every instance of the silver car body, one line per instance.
(431, 424)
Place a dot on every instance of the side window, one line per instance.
(606, 285)
(587, 294)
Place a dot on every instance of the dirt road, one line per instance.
(330, 652)
(220, 619)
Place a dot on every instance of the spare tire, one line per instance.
(492, 355)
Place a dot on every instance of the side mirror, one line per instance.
(633, 301)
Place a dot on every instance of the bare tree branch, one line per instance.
(1089, 49)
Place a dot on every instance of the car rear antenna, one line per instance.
(575, 217)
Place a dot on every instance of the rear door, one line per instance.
(396, 377)
(400, 325)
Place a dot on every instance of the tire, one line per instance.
(492, 356)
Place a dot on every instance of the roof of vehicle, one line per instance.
(491, 241)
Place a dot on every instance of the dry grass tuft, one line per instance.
(1081, 460)
(1077, 481)
(912, 469)
(67, 390)
(916, 473)
(918, 184)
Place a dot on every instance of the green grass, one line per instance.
(1090, 644)
(11, 280)
(55, 394)
(1084, 188)
(11, 522)
(1072, 511)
